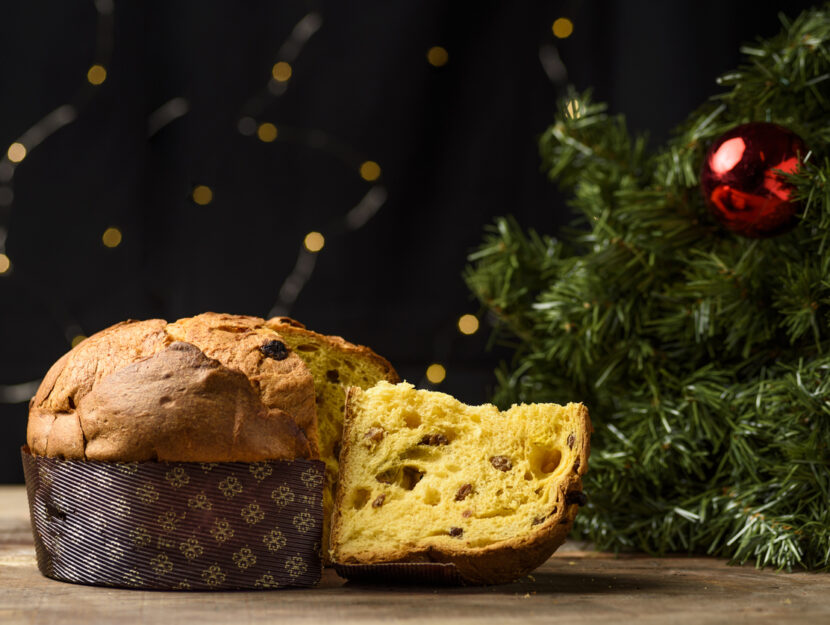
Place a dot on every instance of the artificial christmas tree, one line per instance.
(703, 355)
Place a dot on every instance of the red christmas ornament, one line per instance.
(740, 184)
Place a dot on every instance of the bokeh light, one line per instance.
(563, 28)
(96, 75)
(247, 126)
(267, 132)
(111, 237)
(78, 338)
(16, 152)
(468, 324)
(370, 171)
(436, 373)
(5, 264)
(314, 241)
(437, 56)
(281, 71)
(202, 195)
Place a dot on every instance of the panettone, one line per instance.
(427, 479)
(336, 365)
(210, 388)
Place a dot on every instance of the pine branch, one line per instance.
(703, 357)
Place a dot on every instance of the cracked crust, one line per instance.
(500, 562)
(198, 389)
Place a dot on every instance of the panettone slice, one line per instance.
(335, 365)
(425, 478)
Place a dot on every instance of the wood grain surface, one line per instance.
(573, 587)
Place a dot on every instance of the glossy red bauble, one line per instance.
(740, 182)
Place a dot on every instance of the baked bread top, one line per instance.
(210, 388)
(425, 478)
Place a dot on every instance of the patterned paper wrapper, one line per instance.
(178, 525)
(428, 573)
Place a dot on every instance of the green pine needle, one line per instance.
(704, 357)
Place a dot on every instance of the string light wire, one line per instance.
(24, 145)
(554, 67)
(281, 75)
(167, 113)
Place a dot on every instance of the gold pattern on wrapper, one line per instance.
(265, 581)
(161, 564)
(191, 549)
(213, 575)
(295, 566)
(114, 550)
(282, 496)
(177, 526)
(230, 487)
(304, 522)
(274, 540)
(127, 467)
(311, 479)
(177, 477)
(132, 578)
(222, 530)
(199, 502)
(252, 513)
(140, 536)
(121, 508)
(260, 470)
(147, 493)
(244, 558)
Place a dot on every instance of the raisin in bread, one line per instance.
(425, 478)
(336, 365)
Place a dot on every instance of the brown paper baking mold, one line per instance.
(436, 573)
(177, 526)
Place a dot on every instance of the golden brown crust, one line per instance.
(235, 341)
(287, 324)
(500, 562)
(199, 389)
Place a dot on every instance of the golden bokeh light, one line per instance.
(437, 56)
(370, 171)
(468, 324)
(202, 195)
(5, 263)
(16, 152)
(78, 338)
(97, 74)
(314, 241)
(281, 71)
(436, 373)
(563, 28)
(266, 132)
(111, 237)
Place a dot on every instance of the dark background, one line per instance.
(456, 145)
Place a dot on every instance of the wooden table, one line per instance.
(573, 587)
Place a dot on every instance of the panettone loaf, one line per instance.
(425, 478)
(336, 365)
(211, 388)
